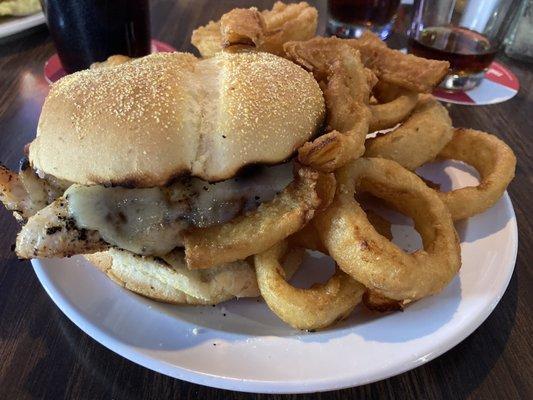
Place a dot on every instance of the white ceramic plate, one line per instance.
(12, 25)
(242, 346)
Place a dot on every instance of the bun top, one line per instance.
(150, 120)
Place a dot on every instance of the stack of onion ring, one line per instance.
(367, 87)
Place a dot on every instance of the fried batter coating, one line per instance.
(267, 30)
(418, 139)
(372, 259)
(394, 105)
(491, 157)
(346, 86)
(242, 26)
(257, 231)
(405, 70)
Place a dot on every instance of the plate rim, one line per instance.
(20, 24)
(279, 387)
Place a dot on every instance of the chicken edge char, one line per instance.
(53, 232)
(25, 193)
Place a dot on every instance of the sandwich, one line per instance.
(169, 170)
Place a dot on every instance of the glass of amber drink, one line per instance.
(466, 33)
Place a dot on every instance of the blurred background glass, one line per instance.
(467, 33)
(349, 18)
(520, 38)
(86, 31)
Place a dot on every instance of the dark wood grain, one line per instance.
(43, 355)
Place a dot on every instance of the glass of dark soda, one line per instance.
(350, 18)
(88, 31)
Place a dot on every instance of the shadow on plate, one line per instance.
(486, 224)
(454, 174)
(447, 382)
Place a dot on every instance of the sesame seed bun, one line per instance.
(145, 122)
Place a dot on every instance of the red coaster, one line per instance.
(498, 85)
(53, 70)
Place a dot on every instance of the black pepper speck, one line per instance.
(53, 229)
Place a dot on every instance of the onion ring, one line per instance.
(371, 299)
(242, 26)
(346, 86)
(385, 92)
(259, 230)
(310, 309)
(405, 70)
(394, 109)
(492, 158)
(373, 260)
(308, 237)
(418, 140)
(265, 31)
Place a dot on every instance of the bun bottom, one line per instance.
(170, 281)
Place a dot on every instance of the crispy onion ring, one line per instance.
(242, 26)
(369, 257)
(259, 230)
(405, 70)
(385, 92)
(309, 238)
(492, 158)
(313, 308)
(371, 299)
(346, 86)
(395, 105)
(418, 140)
(267, 30)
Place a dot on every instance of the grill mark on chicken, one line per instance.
(52, 232)
(110, 217)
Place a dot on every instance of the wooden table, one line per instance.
(43, 355)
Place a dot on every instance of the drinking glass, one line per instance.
(350, 18)
(87, 31)
(520, 38)
(466, 33)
